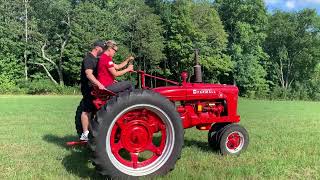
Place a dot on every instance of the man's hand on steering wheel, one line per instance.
(130, 60)
(130, 67)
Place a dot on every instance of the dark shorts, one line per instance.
(88, 105)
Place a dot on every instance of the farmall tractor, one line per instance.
(141, 133)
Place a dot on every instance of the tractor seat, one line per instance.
(101, 97)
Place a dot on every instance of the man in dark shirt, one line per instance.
(88, 80)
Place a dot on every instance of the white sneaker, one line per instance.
(84, 137)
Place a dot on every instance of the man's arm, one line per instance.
(93, 80)
(123, 64)
(116, 73)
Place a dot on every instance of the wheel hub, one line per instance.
(235, 142)
(136, 136)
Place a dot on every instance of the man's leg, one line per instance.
(85, 116)
(85, 126)
(85, 121)
(120, 86)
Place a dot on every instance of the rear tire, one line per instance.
(130, 125)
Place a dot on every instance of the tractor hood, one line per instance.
(197, 91)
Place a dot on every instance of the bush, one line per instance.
(7, 86)
(67, 90)
(300, 94)
(46, 87)
(298, 91)
(280, 93)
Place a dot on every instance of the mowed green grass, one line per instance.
(284, 142)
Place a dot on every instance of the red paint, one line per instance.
(233, 141)
(219, 102)
(199, 105)
(77, 143)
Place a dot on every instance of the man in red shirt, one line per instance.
(108, 70)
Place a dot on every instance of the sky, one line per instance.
(293, 5)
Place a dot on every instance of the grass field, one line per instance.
(284, 142)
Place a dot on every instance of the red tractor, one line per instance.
(140, 133)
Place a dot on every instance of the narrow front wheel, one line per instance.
(234, 139)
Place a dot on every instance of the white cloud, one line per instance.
(290, 4)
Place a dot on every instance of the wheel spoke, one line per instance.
(120, 124)
(144, 112)
(115, 147)
(132, 115)
(156, 150)
(134, 159)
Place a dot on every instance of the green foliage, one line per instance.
(148, 40)
(7, 86)
(11, 48)
(46, 87)
(191, 26)
(293, 45)
(266, 55)
(245, 22)
(142, 32)
(89, 23)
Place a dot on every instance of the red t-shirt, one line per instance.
(104, 75)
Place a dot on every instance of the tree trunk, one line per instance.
(52, 62)
(64, 40)
(281, 75)
(61, 80)
(26, 40)
(48, 73)
(144, 64)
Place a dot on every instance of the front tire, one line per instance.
(234, 139)
(136, 134)
(213, 135)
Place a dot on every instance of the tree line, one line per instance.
(266, 54)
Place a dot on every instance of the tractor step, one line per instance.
(77, 143)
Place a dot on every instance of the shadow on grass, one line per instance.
(201, 145)
(76, 163)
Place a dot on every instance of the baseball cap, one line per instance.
(100, 43)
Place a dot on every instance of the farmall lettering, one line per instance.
(203, 91)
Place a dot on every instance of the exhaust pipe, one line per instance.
(197, 67)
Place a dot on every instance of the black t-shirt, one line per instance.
(89, 62)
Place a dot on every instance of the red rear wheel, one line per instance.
(136, 134)
(139, 140)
